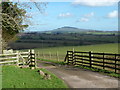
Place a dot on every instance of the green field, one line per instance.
(107, 48)
(100, 48)
(14, 77)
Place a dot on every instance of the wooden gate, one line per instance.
(19, 58)
(104, 61)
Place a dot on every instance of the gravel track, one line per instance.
(80, 78)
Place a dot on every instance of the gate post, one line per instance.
(66, 57)
(115, 64)
(73, 58)
(32, 56)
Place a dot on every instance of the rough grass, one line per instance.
(14, 77)
(110, 73)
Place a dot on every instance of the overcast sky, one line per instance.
(85, 14)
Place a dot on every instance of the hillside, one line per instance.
(67, 29)
(65, 36)
(43, 40)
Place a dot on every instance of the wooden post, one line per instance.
(32, 59)
(81, 58)
(66, 57)
(29, 55)
(17, 58)
(38, 55)
(90, 58)
(43, 56)
(73, 57)
(29, 51)
(73, 49)
(23, 60)
(50, 55)
(115, 64)
(103, 61)
(57, 56)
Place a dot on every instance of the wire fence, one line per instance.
(50, 56)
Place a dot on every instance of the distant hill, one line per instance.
(68, 30)
(77, 30)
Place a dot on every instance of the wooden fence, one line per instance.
(31, 59)
(19, 58)
(106, 61)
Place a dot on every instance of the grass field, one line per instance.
(14, 77)
(106, 48)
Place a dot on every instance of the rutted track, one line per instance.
(80, 78)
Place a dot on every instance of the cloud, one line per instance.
(86, 17)
(83, 19)
(65, 14)
(45, 13)
(90, 15)
(113, 14)
(94, 3)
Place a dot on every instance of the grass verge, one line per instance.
(109, 73)
(15, 77)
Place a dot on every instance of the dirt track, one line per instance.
(80, 78)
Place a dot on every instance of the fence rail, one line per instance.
(13, 57)
(19, 58)
(106, 61)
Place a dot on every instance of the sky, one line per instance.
(80, 14)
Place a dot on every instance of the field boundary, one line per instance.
(103, 61)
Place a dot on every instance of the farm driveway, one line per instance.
(80, 78)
